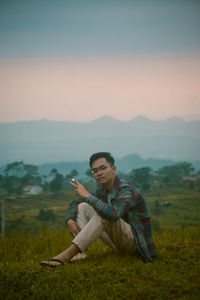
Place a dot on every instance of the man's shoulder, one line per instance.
(122, 183)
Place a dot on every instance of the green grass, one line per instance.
(185, 208)
(23, 203)
(105, 274)
(22, 212)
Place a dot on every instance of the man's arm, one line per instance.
(70, 219)
(124, 201)
(72, 211)
(73, 227)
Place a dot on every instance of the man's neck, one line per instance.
(108, 186)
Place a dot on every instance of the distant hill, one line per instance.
(124, 164)
(46, 141)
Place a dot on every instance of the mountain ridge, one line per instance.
(124, 164)
(53, 141)
(102, 118)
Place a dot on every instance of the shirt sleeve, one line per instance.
(73, 209)
(123, 202)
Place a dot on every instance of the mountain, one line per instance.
(124, 164)
(47, 141)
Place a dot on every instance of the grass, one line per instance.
(185, 208)
(26, 203)
(105, 274)
(22, 211)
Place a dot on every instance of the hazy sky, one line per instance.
(79, 60)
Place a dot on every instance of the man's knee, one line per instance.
(83, 206)
(86, 210)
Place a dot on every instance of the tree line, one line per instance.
(168, 176)
(17, 174)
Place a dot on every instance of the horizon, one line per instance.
(186, 119)
(116, 158)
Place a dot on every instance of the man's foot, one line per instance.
(79, 256)
(62, 258)
(53, 262)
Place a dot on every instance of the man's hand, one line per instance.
(73, 227)
(80, 189)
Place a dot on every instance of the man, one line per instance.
(116, 213)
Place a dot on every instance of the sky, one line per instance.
(80, 60)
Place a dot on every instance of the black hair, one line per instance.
(105, 155)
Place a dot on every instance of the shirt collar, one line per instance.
(115, 186)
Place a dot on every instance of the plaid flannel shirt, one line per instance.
(126, 203)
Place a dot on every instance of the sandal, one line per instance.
(53, 266)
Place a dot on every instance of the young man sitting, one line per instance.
(116, 213)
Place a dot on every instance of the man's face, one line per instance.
(103, 172)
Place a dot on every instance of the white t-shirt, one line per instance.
(109, 198)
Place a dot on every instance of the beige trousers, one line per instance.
(117, 234)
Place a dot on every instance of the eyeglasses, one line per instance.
(96, 170)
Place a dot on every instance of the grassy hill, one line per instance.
(22, 211)
(105, 274)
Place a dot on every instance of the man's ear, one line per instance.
(114, 168)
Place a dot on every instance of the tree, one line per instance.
(57, 182)
(141, 177)
(15, 169)
(17, 173)
(12, 177)
(171, 175)
(31, 174)
(185, 169)
(45, 183)
(11, 184)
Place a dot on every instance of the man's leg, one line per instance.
(85, 213)
(63, 257)
(80, 243)
(119, 232)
